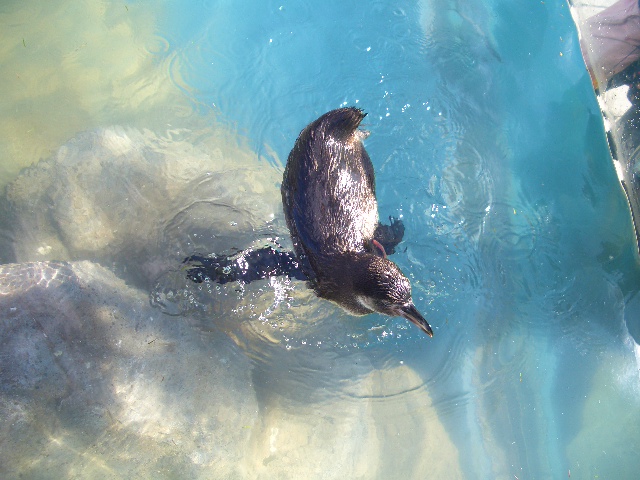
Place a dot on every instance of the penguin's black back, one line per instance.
(328, 189)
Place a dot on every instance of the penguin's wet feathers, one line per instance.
(328, 195)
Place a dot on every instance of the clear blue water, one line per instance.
(487, 139)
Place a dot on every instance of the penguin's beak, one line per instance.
(411, 313)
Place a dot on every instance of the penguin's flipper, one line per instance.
(245, 267)
(389, 236)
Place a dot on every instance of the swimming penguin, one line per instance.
(329, 201)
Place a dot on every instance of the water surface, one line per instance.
(486, 140)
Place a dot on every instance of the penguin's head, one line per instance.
(380, 286)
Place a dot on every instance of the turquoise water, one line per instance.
(487, 140)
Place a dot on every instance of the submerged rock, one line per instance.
(140, 202)
(383, 424)
(96, 384)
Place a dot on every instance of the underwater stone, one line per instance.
(139, 201)
(97, 383)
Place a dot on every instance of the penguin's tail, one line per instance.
(343, 123)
